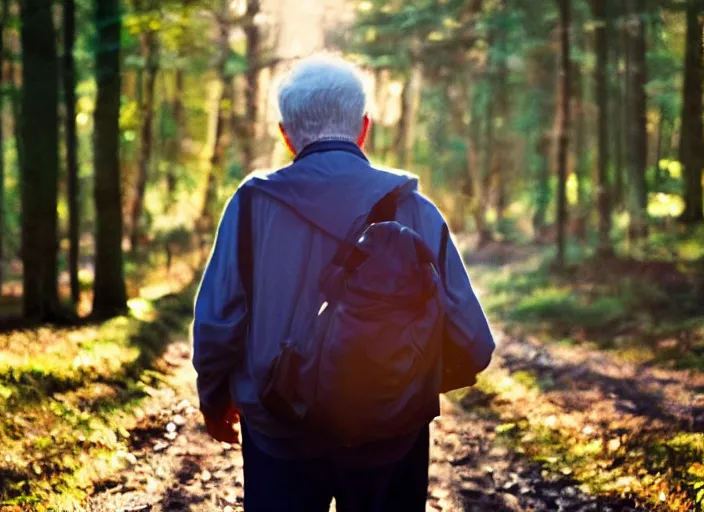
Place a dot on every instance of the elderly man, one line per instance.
(332, 347)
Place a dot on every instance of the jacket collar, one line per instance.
(323, 146)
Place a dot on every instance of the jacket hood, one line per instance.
(332, 185)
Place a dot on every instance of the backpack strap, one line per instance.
(442, 255)
(384, 210)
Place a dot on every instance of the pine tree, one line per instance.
(110, 296)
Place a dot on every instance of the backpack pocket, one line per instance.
(280, 393)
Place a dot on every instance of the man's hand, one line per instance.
(224, 427)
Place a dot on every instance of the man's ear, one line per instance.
(366, 126)
(287, 140)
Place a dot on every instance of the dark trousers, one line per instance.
(277, 485)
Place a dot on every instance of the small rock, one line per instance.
(171, 427)
(178, 420)
(570, 492)
(468, 486)
(160, 445)
(614, 444)
(205, 476)
(511, 502)
(221, 475)
(629, 406)
(152, 486)
(439, 493)
(182, 406)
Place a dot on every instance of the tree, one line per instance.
(502, 111)
(110, 297)
(149, 47)
(637, 110)
(602, 184)
(692, 132)
(15, 101)
(4, 17)
(563, 128)
(69, 77)
(410, 100)
(580, 135)
(220, 114)
(39, 178)
(253, 37)
(173, 144)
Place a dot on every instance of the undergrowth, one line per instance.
(625, 306)
(68, 396)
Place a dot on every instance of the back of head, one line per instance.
(322, 97)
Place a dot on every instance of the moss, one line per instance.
(73, 390)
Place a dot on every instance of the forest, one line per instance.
(563, 140)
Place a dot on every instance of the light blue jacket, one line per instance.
(299, 215)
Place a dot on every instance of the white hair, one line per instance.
(322, 97)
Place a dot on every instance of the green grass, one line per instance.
(67, 397)
(615, 305)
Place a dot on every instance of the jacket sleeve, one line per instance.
(469, 342)
(220, 320)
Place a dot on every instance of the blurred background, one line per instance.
(562, 139)
(127, 125)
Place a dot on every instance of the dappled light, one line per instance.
(562, 141)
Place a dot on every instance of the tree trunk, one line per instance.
(657, 179)
(637, 125)
(174, 145)
(563, 129)
(149, 43)
(217, 158)
(382, 98)
(207, 216)
(253, 37)
(502, 149)
(621, 135)
(692, 132)
(602, 183)
(40, 98)
(621, 116)
(110, 297)
(371, 138)
(69, 19)
(399, 143)
(416, 90)
(410, 101)
(484, 190)
(5, 13)
(580, 140)
(476, 186)
(16, 103)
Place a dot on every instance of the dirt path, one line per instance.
(174, 466)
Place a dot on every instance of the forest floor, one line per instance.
(551, 425)
(505, 446)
